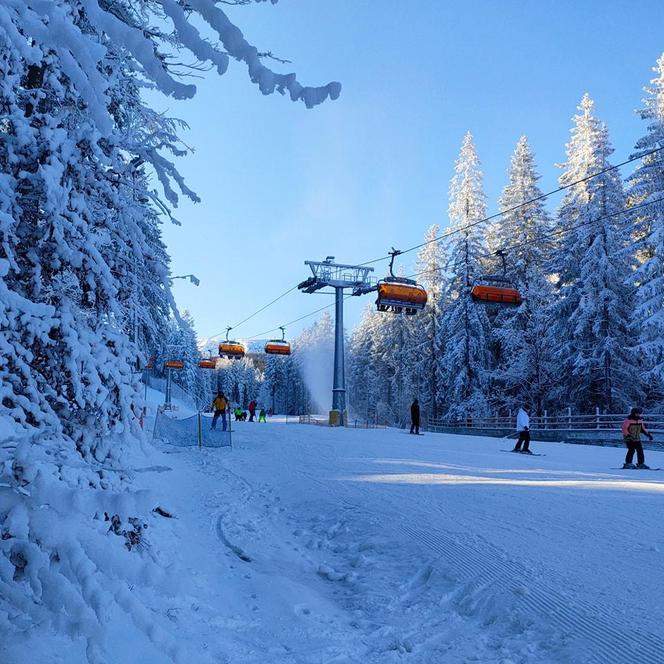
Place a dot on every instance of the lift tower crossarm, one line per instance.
(336, 275)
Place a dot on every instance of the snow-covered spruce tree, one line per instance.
(646, 187)
(182, 344)
(274, 386)
(71, 264)
(282, 387)
(591, 310)
(428, 339)
(382, 368)
(298, 397)
(464, 325)
(362, 370)
(239, 380)
(524, 369)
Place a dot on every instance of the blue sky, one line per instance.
(280, 183)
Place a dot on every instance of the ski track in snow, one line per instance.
(307, 545)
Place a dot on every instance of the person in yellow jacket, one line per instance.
(219, 406)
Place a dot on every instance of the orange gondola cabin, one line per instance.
(496, 293)
(174, 364)
(496, 288)
(277, 347)
(207, 364)
(233, 350)
(400, 295)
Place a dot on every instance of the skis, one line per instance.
(646, 469)
(523, 453)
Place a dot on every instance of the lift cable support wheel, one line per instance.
(338, 276)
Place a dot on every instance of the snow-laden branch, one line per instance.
(267, 80)
(53, 26)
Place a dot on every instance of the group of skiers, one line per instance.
(221, 404)
(632, 428)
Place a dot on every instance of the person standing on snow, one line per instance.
(632, 428)
(252, 410)
(415, 417)
(219, 406)
(523, 429)
(261, 415)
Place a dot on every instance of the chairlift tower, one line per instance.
(338, 276)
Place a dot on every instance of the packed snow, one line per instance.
(308, 544)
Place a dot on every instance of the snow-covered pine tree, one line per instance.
(239, 380)
(297, 399)
(428, 340)
(56, 97)
(182, 344)
(70, 288)
(274, 387)
(591, 311)
(646, 187)
(464, 324)
(524, 371)
(361, 370)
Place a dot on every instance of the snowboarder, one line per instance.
(523, 429)
(415, 417)
(632, 428)
(262, 415)
(252, 410)
(219, 406)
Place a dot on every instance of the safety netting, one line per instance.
(193, 431)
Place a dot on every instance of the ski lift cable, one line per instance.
(514, 208)
(569, 229)
(559, 231)
(263, 308)
(455, 231)
(556, 232)
(297, 320)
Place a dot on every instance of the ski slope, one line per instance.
(306, 544)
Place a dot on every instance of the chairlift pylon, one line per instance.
(399, 294)
(278, 346)
(233, 350)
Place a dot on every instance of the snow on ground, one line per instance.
(306, 544)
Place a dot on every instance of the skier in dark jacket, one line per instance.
(632, 428)
(415, 417)
(252, 410)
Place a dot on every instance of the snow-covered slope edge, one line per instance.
(77, 554)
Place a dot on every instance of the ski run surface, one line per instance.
(305, 544)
